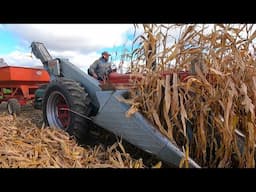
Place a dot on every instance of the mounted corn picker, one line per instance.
(73, 100)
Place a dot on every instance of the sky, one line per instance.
(80, 43)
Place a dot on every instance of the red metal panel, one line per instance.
(119, 78)
(22, 81)
(23, 74)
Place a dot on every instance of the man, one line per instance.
(101, 67)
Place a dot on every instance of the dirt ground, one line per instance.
(98, 138)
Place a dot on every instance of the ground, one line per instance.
(101, 149)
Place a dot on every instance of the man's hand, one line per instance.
(95, 76)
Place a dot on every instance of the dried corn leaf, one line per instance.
(217, 100)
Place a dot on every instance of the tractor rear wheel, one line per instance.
(65, 106)
(13, 106)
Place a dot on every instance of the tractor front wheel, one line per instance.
(66, 106)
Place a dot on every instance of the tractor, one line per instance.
(73, 100)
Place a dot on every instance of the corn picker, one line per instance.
(73, 100)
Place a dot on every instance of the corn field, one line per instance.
(199, 90)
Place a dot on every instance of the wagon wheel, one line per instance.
(65, 106)
(13, 106)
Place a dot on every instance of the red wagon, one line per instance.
(18, 85)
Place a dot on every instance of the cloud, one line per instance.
(80, 43)
(17, 58)
(83, 38)
(80, 60)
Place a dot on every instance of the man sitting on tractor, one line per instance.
(101, 67)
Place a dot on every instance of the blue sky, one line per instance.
(8, 41)
(80, 43)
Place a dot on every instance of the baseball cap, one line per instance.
(105, 53)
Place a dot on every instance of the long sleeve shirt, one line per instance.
(100, 67)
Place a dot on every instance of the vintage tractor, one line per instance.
(73, 100)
